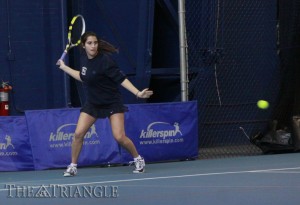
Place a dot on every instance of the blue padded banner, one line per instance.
(51, 133)
(15, 150)
(43, 138)
(163, 131)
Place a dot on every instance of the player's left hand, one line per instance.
(146, 93)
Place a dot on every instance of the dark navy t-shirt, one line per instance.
(102, 77)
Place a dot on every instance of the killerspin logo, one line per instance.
(64, 135)
(8, 143)
(161, 130)
(7, 148)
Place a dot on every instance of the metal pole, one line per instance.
(183, 51)
(66, 77)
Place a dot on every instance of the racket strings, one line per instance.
(75, 31)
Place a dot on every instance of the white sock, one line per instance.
(136, 158)
(73, 165)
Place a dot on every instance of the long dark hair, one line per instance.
(103, 46)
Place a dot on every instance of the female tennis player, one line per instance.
(102, 77)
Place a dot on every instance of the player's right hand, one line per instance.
(60, 63)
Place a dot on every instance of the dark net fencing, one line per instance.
(233, 61)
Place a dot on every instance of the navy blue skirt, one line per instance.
(103, 112)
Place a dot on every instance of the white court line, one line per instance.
(166, 177)
(282, 172)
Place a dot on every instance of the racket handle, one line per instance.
(63, 55)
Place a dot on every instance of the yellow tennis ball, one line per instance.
(262, 104)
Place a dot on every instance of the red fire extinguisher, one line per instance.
(4, 98)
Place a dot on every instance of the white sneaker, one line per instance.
(71, 171)
(139, 165)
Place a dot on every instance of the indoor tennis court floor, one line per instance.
(264, 179)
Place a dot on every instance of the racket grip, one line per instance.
(63, 56)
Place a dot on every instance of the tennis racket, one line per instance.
(76, 29)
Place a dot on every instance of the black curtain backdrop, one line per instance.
(288, 104)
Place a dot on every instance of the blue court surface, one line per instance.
(264, 179)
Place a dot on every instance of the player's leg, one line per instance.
(84, 123)
(118, 130)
